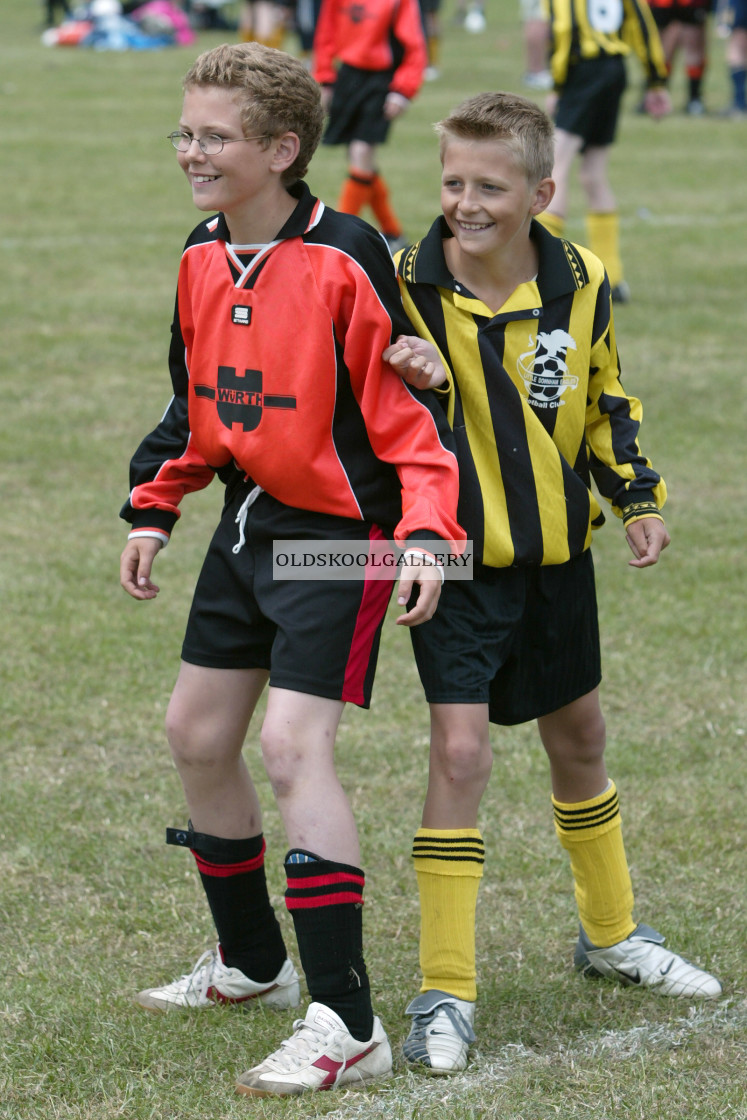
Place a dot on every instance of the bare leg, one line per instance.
(206, 724)
(460, 763)
(298, 744)
(594, 179)
(567, 147)
(574, 739)
(362, 156)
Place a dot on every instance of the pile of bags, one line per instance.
(102, 24)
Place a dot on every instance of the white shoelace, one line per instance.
(297, 1051)
(200, 978)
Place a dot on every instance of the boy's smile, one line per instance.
(243, 180)
(487, 200)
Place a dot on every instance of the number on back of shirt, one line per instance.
(605, 15)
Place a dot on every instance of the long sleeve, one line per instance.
(621, 471)
(166, 465)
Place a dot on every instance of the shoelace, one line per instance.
(246, 505)
(459, 1023)
(297, 1050)
(201, 976)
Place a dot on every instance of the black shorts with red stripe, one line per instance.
(316, 636)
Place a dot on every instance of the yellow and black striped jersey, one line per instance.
(590, 28)
(535, 401)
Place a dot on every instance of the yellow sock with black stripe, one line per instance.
(448, 865)
(603, 230)
(552, 222)
(591, 833)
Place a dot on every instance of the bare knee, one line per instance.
(282, 757)
(189, 743)
(576, 735)
(462, 760)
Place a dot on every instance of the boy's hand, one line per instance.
(135, 567)
(416, 361)
(647, 538)
(657, 102)
(395, 105)
(429, 578)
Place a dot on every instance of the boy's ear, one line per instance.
(543, 195)
(286, 151)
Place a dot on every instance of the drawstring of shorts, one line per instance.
(248, 502)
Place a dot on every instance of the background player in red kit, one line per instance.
(370, 57)
(320, 441)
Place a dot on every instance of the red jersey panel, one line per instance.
(277, 373)
(372, 35)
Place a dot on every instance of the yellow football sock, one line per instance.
(448, 864)
(591, 833)
(604, 241)
(552, 222)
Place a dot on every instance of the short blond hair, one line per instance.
(275, 94)
(515, 120)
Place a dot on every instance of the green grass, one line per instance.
(92, 904)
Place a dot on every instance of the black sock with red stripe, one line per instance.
(325, 900)
(233, 875)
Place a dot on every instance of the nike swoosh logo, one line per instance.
(664, 971)
(631, 977)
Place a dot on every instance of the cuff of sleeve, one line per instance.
(425, 558)
(646, 507)
(154, 534)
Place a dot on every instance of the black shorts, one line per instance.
(357, 109)
(314, 636)
(589, 103)
(525, 641)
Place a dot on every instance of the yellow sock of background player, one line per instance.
(603, 232)
(448, 864)
(591, 833)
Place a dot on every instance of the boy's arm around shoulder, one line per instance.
(417, 361)
(406, 429)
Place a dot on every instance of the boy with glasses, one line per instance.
(283, 310)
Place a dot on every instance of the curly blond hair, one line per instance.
(274, 91)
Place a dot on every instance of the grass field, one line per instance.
(92, 904)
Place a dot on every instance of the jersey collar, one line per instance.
(561, 268)
(304, 217)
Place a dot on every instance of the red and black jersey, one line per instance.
(277, 374)
(372, 35)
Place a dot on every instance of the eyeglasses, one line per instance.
(210, 145)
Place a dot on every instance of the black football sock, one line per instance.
(233, 877)
(325, 900)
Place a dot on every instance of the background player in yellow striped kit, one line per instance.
(523, 323)
(589, 44)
